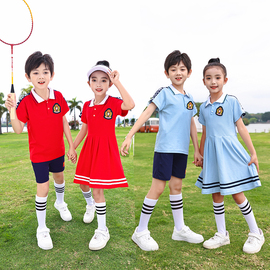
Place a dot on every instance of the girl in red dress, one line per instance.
(99, 165)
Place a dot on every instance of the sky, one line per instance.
(135, 37)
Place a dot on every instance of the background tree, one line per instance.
(266, 117)
(25, 91)
(198, 104)
(2, 109)
(73, 105)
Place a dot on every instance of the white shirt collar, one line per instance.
(220, 100)
(40, 99)
(176, 92)
(101, 103)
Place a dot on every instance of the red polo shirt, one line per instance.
(44, 120)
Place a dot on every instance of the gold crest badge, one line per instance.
(190, 105)
(219, 111)
(56, 108)
(108, 114)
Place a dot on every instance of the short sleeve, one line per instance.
(65, 107)
(201, 117)
(117, 103)
(84, 113)
(238, 111)
(159, 99)
(21, 110)
(194, 108)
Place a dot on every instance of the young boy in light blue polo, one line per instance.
(176, 126)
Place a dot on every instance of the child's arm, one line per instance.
(17, 125)
(142, 119)
(194, 138)
(72, 155)
(128, 102)
(202, 146)
(242, 130)
(80, 135)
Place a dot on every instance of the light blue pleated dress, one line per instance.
(225, 165)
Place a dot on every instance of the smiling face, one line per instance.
(178, 74)
(40, 77)
(214, 80)
(99, 83)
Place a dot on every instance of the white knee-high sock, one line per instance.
(101, 216)
(88, 197)
(59, 191)
(147, 210)
(177, 211)
(41, 204)
(219, 212)
(249, 216)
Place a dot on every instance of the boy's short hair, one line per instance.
(36, 59)
(175, 58)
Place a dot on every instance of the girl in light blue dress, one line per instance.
(227, 167)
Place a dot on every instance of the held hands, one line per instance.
(72, 155)
(10, 103)
(125, 146)
(198, 160)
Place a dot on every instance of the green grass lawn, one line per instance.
(18, 245)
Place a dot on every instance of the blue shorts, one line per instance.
(166, 165)
(42, 169)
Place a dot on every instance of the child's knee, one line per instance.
(98, 195)
(84, 188)
(239, 197)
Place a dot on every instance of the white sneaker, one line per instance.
(64, 212)
(99, 240)
(186, 234)
(217, 241)
(254, 242)
(89, 214)
(44, 239)
(144, 240)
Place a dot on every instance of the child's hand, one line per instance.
(254, 159)
(10, 103)
(125, 147)
(114, 76)
(198, 159)
(72, 155)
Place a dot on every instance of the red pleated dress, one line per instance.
(99, 164)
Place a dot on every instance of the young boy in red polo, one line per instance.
(44, 112)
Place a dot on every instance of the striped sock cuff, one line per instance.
(147, 209)
(59, 188)
(245, 207)
(101, 208)
(219, 208)
(87, 195)
(175, 205)
(40, 206)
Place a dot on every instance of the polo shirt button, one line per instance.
(94, 115)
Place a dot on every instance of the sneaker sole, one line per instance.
(100, 247)
(216, 246)
(88, 221)
(67, 219)
(139, 245)
(177, 238)
(45, 248)
(253, 251)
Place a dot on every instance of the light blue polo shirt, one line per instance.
(175, 113)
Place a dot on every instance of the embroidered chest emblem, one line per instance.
(190, 105)
(219, 111)
(108, 114)
(56, 108)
